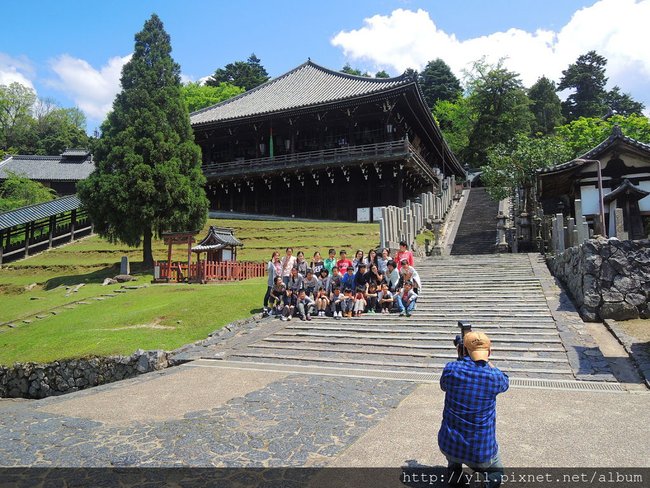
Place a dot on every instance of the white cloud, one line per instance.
(616, 29)
(16, 70)
(92, 90)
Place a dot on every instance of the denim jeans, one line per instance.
(400, 304)
(491, 471)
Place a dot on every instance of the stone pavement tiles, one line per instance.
(297, 420)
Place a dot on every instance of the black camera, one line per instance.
(465, 327)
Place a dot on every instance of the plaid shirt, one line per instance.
(468, 429)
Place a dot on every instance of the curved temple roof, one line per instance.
(307, 85)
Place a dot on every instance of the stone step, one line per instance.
(386, 336)
(449, 356)
(414, 321)
(412, 330)
(445, 345)
(435, 365)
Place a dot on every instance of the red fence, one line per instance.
(207, 271)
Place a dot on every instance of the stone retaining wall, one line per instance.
(608, 278)
(34, 380)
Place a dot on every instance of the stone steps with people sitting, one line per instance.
(497, 294)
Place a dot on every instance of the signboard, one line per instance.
(376, 214)
(363, 214)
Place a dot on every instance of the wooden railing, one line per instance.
(341, 155)
(20, 241)
(209, 271)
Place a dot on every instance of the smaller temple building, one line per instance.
(611, 179)
(61, 173)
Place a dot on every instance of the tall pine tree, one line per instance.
(438, 82)
(545, 106)
(587, 78)
(148, 175)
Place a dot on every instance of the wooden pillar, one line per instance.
(73, 223)
(27, 226)
(400, 188)
(231, 194)
(169, 259)
(8, 238)
(189, 258)
(1, 247)
(51, 233)
(370, 191)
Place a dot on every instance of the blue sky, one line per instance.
(73, 51)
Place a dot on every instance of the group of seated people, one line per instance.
(375, 283)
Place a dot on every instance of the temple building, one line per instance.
(622, 165)
(61, 173)
(319, 143)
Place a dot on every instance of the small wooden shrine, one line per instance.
(219, 248)
(220, 245)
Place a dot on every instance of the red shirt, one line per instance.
(343, 265)
(408, 255)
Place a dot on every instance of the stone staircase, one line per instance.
(477, 231)
(497, 294)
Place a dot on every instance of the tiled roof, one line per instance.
(307, 85)
(616, 135)
(23, 215)
(217, 238)
(49, 168)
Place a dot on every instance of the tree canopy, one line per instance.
(622, 103)
(245, 74)
(586, 77)
(148, 175)
(199, 96)
(439, 83)
(354, 71)
(29, 125)
(513, 164)
(501, 105)
(18, 191)
(545, 106)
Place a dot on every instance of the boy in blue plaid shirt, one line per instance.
(468, 431)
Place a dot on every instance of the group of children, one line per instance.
(376, 283)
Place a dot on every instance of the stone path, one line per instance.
(292, 420)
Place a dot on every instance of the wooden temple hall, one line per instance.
(320, 143)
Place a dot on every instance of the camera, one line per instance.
(465, 327)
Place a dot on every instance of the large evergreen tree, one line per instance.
(501, 107)
(244, 74)
(148, 175)
(587, 78)
(545, 106)
(439, 83)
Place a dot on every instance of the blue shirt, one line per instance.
(468, 429)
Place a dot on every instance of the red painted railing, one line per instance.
(205, 271)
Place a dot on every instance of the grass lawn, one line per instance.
(146, 318)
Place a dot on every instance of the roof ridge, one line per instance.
(252, 90)
(357, 77)
(401, 78)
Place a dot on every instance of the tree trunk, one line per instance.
(147, 253)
